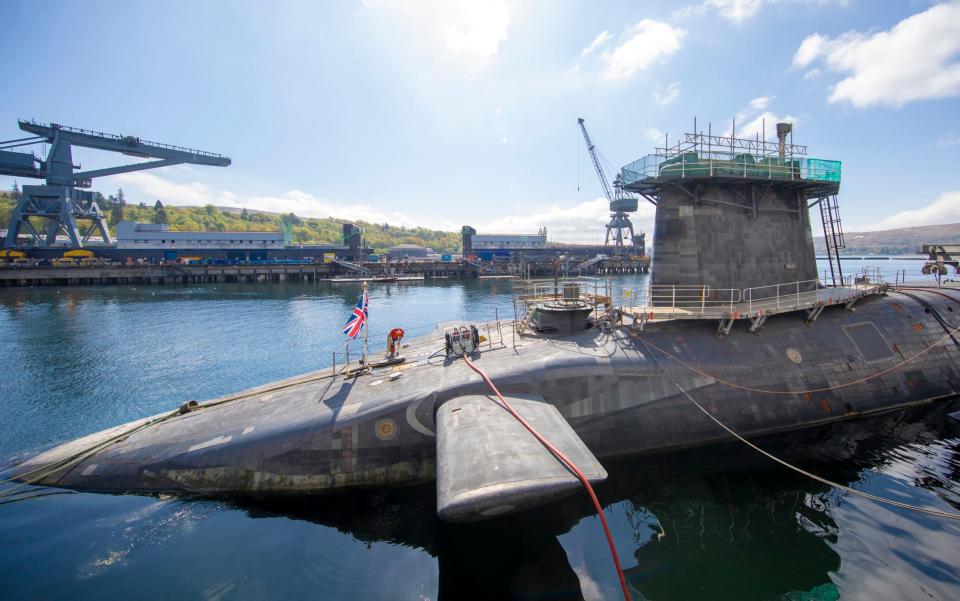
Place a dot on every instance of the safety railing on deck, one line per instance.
(666, 302)
(704, 302)
(786, 296)
(356, 355)
(725, 163)
(594, 291)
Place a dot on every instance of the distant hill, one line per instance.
(902, 241)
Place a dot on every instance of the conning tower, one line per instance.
(732, 213)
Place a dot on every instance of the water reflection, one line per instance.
(720, 523)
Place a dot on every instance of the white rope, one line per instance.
(853, 491)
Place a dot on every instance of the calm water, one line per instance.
(721, 524)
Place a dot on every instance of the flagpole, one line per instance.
(366, 328)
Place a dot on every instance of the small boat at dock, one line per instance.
(384, 279)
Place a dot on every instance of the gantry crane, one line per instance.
(621, 203)
(60, 202)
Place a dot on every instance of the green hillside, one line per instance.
(306, 230)
(901, 241)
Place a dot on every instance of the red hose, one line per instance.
(569, 464)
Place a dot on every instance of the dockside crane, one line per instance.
(60, 202)
(621, 203)
(592, 151)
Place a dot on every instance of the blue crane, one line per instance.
(592, 150)
(60, 202)
(619, 229)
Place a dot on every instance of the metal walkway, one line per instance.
(636, 307)
(591, 262)
(727, 305)
(363, 271)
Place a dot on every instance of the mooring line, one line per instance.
(72, 460)
(853, 491)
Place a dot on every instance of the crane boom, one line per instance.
(59, 203)
(596, 162)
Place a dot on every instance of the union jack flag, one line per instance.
(357, 318)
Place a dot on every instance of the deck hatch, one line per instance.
(869, 341)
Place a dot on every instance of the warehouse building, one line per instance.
(131, 235)
(504, 241)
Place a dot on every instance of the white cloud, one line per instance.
(159, 188)
(734, 11)
(583, 223)
(641, 46)
(470, 30)
(914, 60)
(750, 128)
(761, 103)
(948, 139)
(664, 96)
(752, 120)
(654, 135)
(810, 48)
(601, 40)
(945, 209)
(150, 187)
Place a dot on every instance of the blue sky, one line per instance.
(443, 113)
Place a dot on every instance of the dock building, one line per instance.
(131, 235)
(486, 247)
(517, 241)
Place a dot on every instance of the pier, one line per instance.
(158, 274)
(41, 273)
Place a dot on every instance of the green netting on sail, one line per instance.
(693, 164)
(822, 170)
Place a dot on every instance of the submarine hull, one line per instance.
(620, 391)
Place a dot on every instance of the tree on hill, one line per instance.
(244, 215)
(120, 198)
(15, 190)
(116, 214)
(159, 213)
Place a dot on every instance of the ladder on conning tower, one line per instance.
(832, 236)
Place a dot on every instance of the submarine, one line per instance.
(736, 328)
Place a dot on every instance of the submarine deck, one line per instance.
(376, 425)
